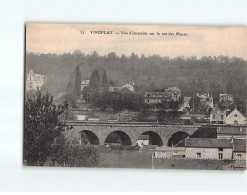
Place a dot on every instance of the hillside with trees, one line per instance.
(214, 75)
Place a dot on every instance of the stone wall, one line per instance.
(132, 130)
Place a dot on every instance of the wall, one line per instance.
(243, 155)
(200, 164)
(208, 153)
(231, 118)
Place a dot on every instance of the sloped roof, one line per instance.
(175, 89)
(207, 143)
(225, 94)
(85, 82)
(231, 130)
(165, 148)
(239, 145)
(217, 111)
(187, 99)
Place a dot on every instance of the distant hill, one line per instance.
(208, 74)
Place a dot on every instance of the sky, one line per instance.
(199, 40)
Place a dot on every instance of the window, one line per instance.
(235, 115)
(198, 155)
(239, 156)
(220, 156)
(222, 117)
(235, 122)
(220, 149)
(214, 116)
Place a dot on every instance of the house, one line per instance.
(82, 117)
(235, 118)
(129, 85)
(173, 93)
(229, 132)
(169, 152)
(186, 102)
(239, 149)
(206, 99)
(34, 81)
(142, 140)
(170, 94)
(217, 116)
(226, 97)
(186, 105)
(155, 97)
(84, 83)
(207, 148)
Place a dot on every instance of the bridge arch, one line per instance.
(87, 136)
(177, 138)
(118, 137)
(154, 138)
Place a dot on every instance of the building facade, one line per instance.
(236, 118)
(173, 93)
(129, 85)
(206, 99)
(169, 152)
(154, 97)
(226, 97)
(34, 81)
(206, 148)
(84, 83)
(217, 116)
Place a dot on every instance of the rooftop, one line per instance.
(187, 99)
(231, 130)
(165, 148)
(239, 145)
(207, 143)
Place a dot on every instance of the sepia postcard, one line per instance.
(135, 96)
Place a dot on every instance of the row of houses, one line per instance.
(229, 144)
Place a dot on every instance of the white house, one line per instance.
(84, 83)
(207, 148)
(169, 152)
(34, 81)
(226, 97)
(129, 85)
(142, 140)
(217, 116)
(235, 118)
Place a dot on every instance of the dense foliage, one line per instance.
(41, 127)
(214, 75)
(44, 140)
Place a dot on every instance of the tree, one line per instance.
(77, 84)
(104, 81)
(174, 105)
(73, 154)
(41, 127)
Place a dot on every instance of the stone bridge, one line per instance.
(129, 131)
